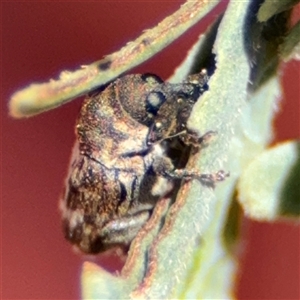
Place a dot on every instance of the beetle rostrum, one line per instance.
(120, 166)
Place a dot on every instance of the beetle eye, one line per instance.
(154, 101)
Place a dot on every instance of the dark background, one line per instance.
(39, 40)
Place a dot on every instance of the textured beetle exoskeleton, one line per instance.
(121, 163)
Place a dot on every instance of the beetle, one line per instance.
(122, 164)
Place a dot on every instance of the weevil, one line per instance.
(121, 163)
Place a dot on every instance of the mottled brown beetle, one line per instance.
(120, 167)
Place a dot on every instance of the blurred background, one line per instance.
(39, 40)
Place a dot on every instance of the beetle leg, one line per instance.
(192, 138)
(164, 167)
(205, 179)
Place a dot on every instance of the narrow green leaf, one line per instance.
(272, 7)
(262, 43)
(290, 49)
(231, 230)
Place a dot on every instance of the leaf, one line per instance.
(95, 283)
(198, 213)
(269, 187)
(290, 49)
(272, 7)
(262, 43)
